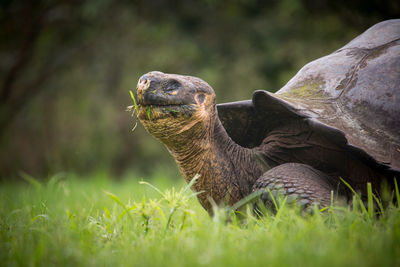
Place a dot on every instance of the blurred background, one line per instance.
(66, 68)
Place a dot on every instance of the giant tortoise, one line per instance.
(338, 117)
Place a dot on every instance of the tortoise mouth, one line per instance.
(153, 112)
(153, 106)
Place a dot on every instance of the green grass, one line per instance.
(96, 221)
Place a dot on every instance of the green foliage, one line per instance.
(397, 192)
(97, 221)
(64, 78)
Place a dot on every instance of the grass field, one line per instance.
(97, 221)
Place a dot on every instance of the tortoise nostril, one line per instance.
(143, 84)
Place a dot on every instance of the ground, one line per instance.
(97, 221)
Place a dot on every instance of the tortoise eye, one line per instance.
(171, 85)
(200, 98)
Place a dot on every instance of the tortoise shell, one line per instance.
(351, 95)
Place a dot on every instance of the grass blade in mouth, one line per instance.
(134, 101)
(134, 109)
(148, 110)
(171, 110)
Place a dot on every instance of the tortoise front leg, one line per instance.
(302, 182)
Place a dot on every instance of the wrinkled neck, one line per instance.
(227, 171)
(244, 161)
(191, 150)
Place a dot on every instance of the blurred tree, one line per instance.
(67, 66)
(37, 38)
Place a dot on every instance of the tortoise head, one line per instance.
(171, 105)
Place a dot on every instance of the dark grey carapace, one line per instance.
(350, 98)
(352, 95)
